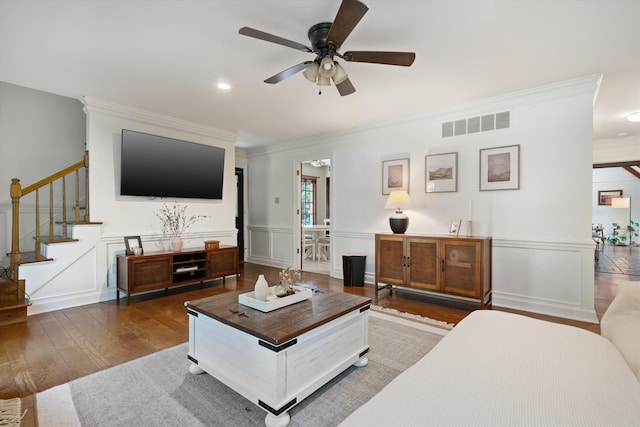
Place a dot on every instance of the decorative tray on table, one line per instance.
(273, 302)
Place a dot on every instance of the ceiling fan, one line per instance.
(326, 39)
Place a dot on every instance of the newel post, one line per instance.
(86, 184)
(15, 256)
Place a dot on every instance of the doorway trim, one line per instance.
(297, 188)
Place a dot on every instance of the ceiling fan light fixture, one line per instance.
(324, 81)
(340, 75)
(311, 72)
(327, 67)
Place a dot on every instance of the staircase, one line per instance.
(55, 214)
(13, 304)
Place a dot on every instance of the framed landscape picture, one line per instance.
(395, 175)
(441, 173)
(604, 197)
(500, 168)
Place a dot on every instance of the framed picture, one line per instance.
(500, 168)
(454, 228)
(133, 245)
(441, 171)
(604, 197)
(395, 175)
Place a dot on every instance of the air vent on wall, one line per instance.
(476, 124)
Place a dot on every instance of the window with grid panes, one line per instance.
(308, 200)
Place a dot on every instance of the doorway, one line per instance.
(315, 216)
(240, 212)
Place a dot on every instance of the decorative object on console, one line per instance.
(469, 222)
(500, 168)
(454, 228)
(395, 175)
(441, 172)
(133, 245)
(211, 244)
(261, 289)
(174, 221)
(398, 200)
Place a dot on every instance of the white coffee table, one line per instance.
(277, 359)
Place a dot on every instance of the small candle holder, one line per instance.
(469, 228)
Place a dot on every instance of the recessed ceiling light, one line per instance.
(224, 86)
(634, 117)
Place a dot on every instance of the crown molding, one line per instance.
(94, 105)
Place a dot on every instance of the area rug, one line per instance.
(627, 264)
(10, 412)
(158, 390)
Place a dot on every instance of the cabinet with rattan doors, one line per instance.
(440, 266)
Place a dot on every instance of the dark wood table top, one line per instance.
(281, 325)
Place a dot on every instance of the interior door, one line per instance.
(240, 212)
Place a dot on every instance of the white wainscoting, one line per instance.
(553, 278)
(271, 246)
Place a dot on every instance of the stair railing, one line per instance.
(17, 192)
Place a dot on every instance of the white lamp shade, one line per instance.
(340, 74)
(398, 199)
(311, 72)
(621, 202)
(327, 67)
(324, 81)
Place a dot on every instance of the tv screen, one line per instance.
(165, 167)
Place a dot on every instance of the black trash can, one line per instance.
(353, 269)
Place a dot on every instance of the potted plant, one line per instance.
(632, 229)
(175, 221)
(618, 236)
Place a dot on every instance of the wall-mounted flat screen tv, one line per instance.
(164, 167)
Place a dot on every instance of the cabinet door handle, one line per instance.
(443, 266)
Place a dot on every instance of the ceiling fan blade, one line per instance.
(345, 87)
(251, 32)
(348, 16)
(404, 59)
(287, 73)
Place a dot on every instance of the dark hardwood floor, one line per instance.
(56, 347)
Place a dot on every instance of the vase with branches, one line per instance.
(174, 222)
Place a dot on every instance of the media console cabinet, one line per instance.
(163, 270)
(441, 266)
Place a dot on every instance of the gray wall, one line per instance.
(40, 133)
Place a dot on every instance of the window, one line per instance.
(308, 200)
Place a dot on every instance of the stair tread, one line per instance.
(29, 257)
(60, 239)
(11, 305)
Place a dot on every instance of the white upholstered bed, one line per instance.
(501, 369)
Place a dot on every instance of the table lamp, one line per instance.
(398, 200)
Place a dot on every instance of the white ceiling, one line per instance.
(166, 56)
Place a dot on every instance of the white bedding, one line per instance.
(502, 369)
